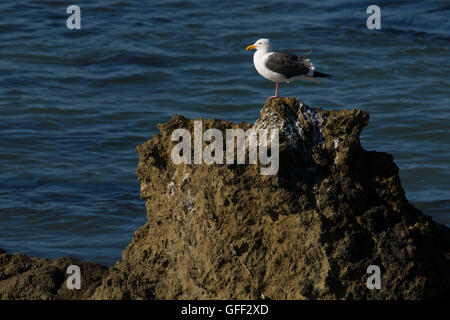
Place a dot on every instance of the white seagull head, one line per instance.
(261, 44)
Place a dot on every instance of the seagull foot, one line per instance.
(272, 97)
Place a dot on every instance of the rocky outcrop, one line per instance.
(224, 231)
(27, 278)
(310, 231)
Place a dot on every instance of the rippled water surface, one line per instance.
(75, 104)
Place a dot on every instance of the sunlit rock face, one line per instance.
(310, 231)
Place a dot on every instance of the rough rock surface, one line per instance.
(308, 232)
(27, 278)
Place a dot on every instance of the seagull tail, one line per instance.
(317, 74)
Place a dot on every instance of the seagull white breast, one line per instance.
(260, 61)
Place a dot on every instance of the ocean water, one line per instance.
(74, 104)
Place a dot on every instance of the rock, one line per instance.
(308, 232)
(27, 278)
(227, 232)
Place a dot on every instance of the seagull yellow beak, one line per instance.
(250, 47)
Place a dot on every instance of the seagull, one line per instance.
(282, 67)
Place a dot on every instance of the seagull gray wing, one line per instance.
(288, 65)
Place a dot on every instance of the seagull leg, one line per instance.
(276, 93)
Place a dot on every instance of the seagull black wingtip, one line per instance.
(321, 75)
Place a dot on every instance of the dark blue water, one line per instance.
(75, 104)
